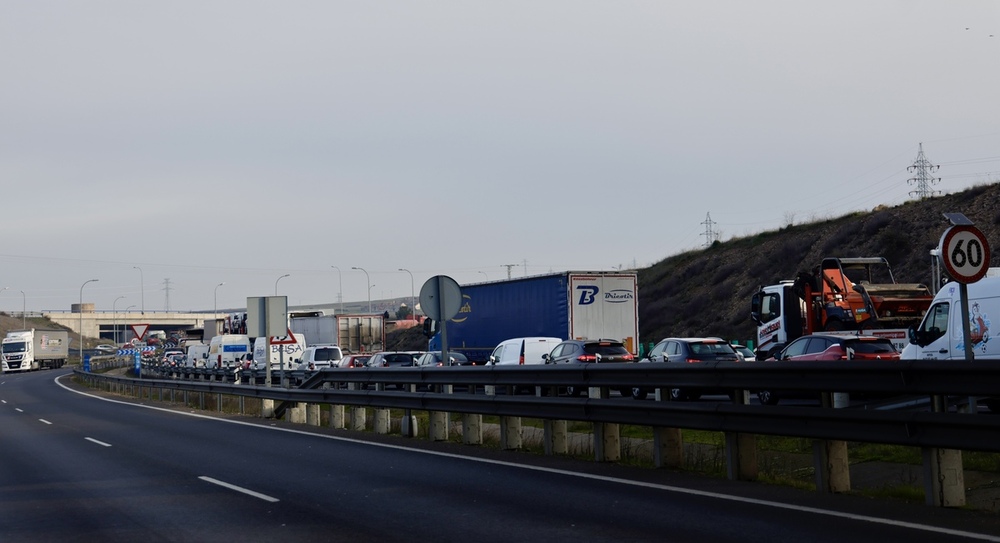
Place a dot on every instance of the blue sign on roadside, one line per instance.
(86, 363)
(138, 367)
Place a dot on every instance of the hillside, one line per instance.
(707, 292)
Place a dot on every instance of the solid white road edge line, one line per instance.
(45, 421)
(19, 410)
(246, 491)
(101, 443)
(667, 488)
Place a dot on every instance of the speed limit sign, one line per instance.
(965, 252)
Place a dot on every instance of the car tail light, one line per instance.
(628, 357)
(586, 358)
(520, 361)
(691, 360)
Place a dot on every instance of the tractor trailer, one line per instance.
(566, 305)
(27, 350)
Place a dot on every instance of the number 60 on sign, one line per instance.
(965, 253)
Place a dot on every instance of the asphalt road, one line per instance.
(75, 467)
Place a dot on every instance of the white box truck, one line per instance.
(27, 350)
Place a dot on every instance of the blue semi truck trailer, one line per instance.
(567, 305)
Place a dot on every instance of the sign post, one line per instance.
(440, 299)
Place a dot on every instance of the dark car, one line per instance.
(435, 359)
(687, 350)
(393, 359)
(589, 351)
(829, 347)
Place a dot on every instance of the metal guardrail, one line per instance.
(366, 388)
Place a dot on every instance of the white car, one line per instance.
(105, 348)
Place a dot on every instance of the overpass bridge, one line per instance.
(114, 326)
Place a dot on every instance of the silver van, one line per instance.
(522, 351)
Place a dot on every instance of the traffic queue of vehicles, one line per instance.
(846, 308)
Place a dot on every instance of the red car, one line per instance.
(829, 347)
(354, 361)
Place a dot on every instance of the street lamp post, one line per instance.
(24, 310)
(340, 290)
(81, 316)
(124, 313)
(276, 282)
(369, 280)
(413, 303)
(142, 291)
(215, 307)
(114, 318)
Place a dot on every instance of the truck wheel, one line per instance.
(834, 325)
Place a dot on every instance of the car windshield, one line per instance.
(327, 354)
(711, 348)
(605, 349)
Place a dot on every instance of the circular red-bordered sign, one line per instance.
(965, 253)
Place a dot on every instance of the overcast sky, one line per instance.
(164, 148)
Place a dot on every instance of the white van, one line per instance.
(288, 354)
(940, 336)
(228, 351)
(197, 355)
(522, 351)
(318, 357)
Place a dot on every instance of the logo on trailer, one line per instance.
(619, 296)
(588, 294)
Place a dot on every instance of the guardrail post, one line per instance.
(267, 409)
(381, 423)
(741, 448)
(408, 424)
(312, 414)
(297, 413)
(337, 417)
(358, 413)
(510, 433)
(830, 457)
(607, 435)
(439, 421)
(472, 425)
(944, 477)
(668, 443)
(555, 436)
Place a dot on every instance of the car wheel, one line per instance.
(638, 393)
(767, 397)
(677, 395)
(574, 391)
